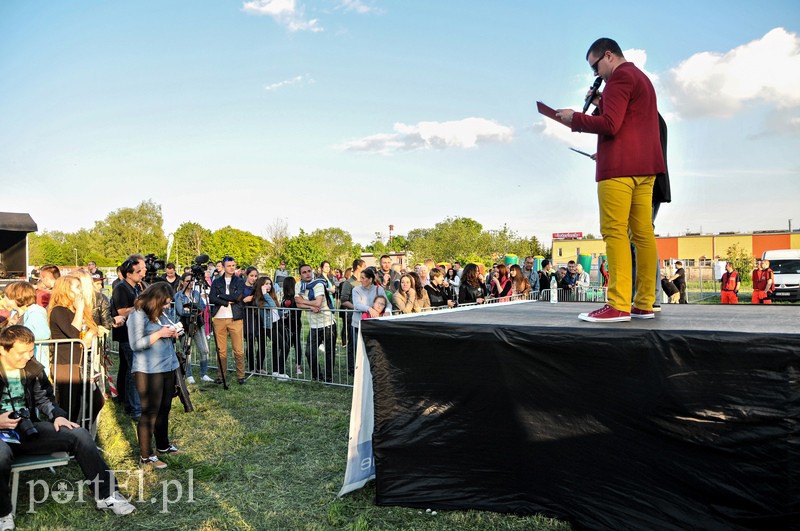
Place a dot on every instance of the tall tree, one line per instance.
(245, 247)
(132, 230)
(189, 241)
(303, 249)
(337, 245)
(451, 239)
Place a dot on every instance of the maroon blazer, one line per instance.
(628, 141)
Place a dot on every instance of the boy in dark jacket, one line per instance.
(24, 391)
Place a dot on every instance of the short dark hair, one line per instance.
(227, 259)
(603, 45)
(545, 263)
(300, 268)
(127, 267)
(15, 334)
(571, 262)
(169, 266)
(385, 256)
(358, 262)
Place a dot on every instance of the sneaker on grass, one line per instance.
(170, 450)
(117, 504)
(152, 462)
(190, 380)
(7, 522)
(207, 378)
(606, 314)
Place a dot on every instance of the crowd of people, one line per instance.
(152, 323)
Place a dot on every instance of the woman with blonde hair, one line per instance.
(68, 319)
(97, 304)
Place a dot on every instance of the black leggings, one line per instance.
(156, 392)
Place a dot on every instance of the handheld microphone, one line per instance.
(592, 93)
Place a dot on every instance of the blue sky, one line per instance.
(360, 114)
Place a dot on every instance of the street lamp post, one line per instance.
(76, 255)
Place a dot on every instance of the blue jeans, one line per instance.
(199, 340)
(131, 394)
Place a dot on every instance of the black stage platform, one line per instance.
(686, 421)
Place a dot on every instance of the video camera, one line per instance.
(199, 270)
(152, 265)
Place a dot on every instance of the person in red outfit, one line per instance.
(629, 156)
(763, 283)
(729, 285)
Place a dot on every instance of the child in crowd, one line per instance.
(379, 305)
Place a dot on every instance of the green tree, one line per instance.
(46, 248)
(245, 247)
(132, 230)
(451, 239)
(303, 249)
(398, 243)
(742, 261)
(190, 239)
(337, 245)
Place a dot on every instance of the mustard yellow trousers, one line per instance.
(625, 218)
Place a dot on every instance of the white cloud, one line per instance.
(358, 6)
(764, 70)
(285, 12)
(468, 133)
(296, 80)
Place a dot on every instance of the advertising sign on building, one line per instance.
(567, 235)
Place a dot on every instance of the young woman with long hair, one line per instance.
(521, 286)
(153, 368)
(69, 319)
(251, 325)
(501, 284)
(472, 289)
(405, 297)
(267, 301)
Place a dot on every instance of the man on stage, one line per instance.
(628, 158)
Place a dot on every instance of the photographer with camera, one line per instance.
(153, 368)
(24, 388)
(189, 305)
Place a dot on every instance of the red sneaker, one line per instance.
(606, 314)
(636, 313)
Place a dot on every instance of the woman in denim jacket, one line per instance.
(153, 367)
(185, 297)
(270, 316)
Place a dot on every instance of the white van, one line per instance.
(786, 266)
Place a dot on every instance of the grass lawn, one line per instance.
(266, 455)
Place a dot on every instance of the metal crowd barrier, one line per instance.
(78, 377)
(290, 349)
